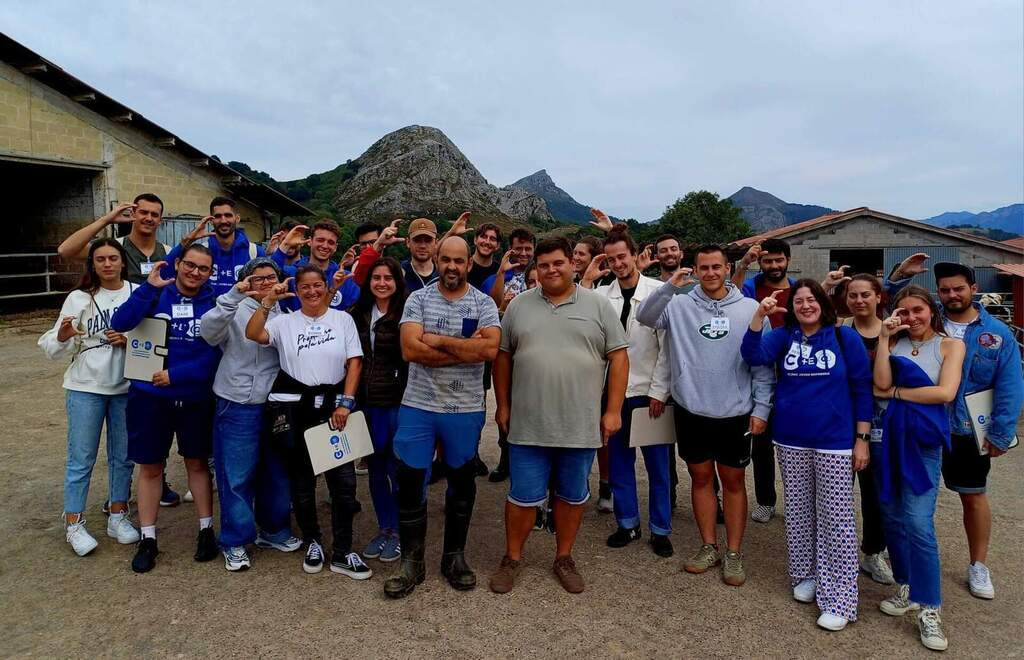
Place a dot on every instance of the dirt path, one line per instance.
(55, 604)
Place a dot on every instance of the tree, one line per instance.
(701, 217)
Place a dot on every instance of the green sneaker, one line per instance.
(732, 569)
(705, 558)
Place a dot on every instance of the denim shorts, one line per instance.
(531, 468)
(420, 430)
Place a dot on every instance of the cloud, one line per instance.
(912, 107)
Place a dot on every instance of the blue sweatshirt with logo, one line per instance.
(823, 388)
(343, 298)
(226, 263)
(191, 362)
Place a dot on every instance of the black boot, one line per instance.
(458, 510)
(412, 533)
(500, 471)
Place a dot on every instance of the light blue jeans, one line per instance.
(86, 415)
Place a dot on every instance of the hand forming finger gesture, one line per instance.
(200, 231)
(596, 270)
(912, 265)
(893, 324)
(835, 278)
(644, 259)
(682, 278)
(752, 255)
(67, 329)
(460, 225)
(155, 278)
(769, 304)
(280, 291)
(601, 220)
(507, 262)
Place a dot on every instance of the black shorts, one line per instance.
(153, 421)
(964, 470)
(722, 440)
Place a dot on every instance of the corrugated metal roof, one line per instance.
(1017, 270)
(1017, 243)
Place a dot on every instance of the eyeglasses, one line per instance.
(191, 265)
(262, 279)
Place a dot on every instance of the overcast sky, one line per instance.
(914, 108)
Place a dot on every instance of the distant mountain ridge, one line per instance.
(561, 204)
(1007, 218)
(765, 211)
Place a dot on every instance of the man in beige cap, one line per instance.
(420, 269)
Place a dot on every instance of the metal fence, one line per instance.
(40, 279)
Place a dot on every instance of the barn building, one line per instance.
(70, 154)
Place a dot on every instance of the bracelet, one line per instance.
(347, 402)
(266, 309)
(866, 437)
(896, 393)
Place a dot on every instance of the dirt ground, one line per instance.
(636, 604)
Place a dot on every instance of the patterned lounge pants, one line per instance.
(821, 531)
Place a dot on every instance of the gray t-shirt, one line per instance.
(458, 388)
(559, 358)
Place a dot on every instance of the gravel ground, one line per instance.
(636, 604)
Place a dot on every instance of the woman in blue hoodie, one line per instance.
(177, 400)
(823, 407)
(917, 369)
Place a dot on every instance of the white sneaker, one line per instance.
(831, 622)
(120, 527)
(188, 496)
(930, 625)
(236, 559)
(762, 513)
(314, 559)
(899, 603)
(979, 581)
(290, 544)
(80, 539)
(604, 505)
(805, 590)
(877, 568)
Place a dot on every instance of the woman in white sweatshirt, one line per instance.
(96, 392)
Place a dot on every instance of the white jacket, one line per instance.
(649, 368)
(96, 366)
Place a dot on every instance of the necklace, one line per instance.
(915, 346)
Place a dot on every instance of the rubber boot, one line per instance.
(458, 511)
(500, 472)
(412, 533)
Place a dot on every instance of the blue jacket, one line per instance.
(191, 362)
(823, 388)
(892, 287)
(907, 428)
(413, 281)
(226, 263)
(343, 299)
(992, 361)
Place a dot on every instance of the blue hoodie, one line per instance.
(892, 287)
(226, 263)
(191, 362)
(823, 388)
(343, 299)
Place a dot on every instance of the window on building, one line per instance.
(859, 261)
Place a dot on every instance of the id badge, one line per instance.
(146, 267)
(876, 435)
(720, 324)
(183, 311)
(315, 330)
(805, 351)
(318, 401)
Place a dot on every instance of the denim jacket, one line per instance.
(992, 361)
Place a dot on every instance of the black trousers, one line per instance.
(288, 423)
(762, 455)
(873, 539)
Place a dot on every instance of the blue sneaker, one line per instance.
(374, 547)
(169, 497)
(392, 550)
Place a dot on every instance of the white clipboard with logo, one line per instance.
(645, 431)
(146, 350)
(329, 448)
(979, 407)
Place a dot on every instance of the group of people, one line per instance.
(588, 356)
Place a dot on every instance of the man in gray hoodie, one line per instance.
(251, 477)
(720, 401)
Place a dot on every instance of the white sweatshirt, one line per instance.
(96, 366)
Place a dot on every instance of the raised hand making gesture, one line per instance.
(279, 292)
(893, 325)
(595, 271)
(835, 278)
(155, 278)
(68, 330)
(644, 259)
(295, 239)
(912, 265)
(682, 278)
(389, 236)
(118, 216)
(460, 227)
(508, 262)
(601, 220)
(767, 307)
(200, 231)
(752, 255)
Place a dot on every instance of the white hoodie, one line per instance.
(96, 366)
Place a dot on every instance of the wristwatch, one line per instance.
(347, 402)
(866, 437)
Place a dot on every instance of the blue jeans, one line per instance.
(622, 472)
(252, 483)
(420, 430)
(86, 414)
(909, 523)
(383, 423)
(531, 468)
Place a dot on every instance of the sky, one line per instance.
(913, 108)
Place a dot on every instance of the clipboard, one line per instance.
(644, 431)
(329, 448)
(979, 407)
(146, 350)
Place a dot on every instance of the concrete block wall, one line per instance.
(39, 123)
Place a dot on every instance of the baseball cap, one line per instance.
(950, 269)
(421, 226)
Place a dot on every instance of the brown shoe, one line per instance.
(565, 571)
(504, 578)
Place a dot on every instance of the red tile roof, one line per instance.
(1016, 243)
(1017, 270)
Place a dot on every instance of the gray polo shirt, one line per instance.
(458, 388)
(559, 358)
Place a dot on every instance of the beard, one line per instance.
(775, 275)
(670, 264)
(957, 306)
(452, 282)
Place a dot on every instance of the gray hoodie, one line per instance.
(709, 377)
(247, 369)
